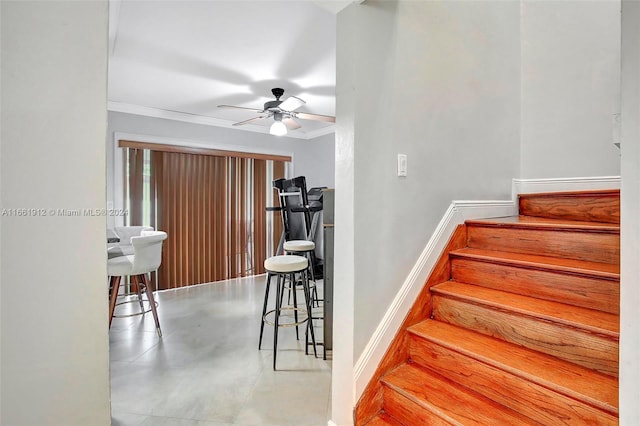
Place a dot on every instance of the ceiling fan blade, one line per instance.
(291, 103)
(316, 117)
(240, 123)
(239, 107)
(291, 123)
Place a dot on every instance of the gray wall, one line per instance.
(570, 88)
(313, 158)
(438, 81)
(55, 354)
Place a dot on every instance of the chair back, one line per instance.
(126, 232)
(147, 250)
(296, 220)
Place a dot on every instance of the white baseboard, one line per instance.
(331, 423)
(456, 214)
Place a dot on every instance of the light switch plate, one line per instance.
(402, 165)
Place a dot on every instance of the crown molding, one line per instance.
(207, 121)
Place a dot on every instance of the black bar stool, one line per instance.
(283, 267)
(307, 249)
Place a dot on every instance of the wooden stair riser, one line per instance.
(601, 247)
(383, 419)
(600, 206)
(408, 412)
(581, 347)
(574, 289)
(537, 402)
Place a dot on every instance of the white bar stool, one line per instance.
(305, 248)
(284, 266)
(146, 258)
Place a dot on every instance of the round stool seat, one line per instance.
(285, 263)
(299, 245)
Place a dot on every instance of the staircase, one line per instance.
(523, 329)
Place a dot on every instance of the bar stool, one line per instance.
(283, 267)
(146, 258)
(305, 248)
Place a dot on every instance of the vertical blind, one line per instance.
(212, 207)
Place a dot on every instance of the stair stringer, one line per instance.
(384, 350)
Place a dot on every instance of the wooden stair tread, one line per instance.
(448, 400)
(582, 267)
(535, 222)
(581, 318)
(596, 389)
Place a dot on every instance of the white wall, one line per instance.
(313, 158)
(55, 362)
(570, 88)
(342, 386)
(440, 82)
(630, 232)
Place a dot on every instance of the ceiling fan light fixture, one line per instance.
(283, 112)
(278, 128)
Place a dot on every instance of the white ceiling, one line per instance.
(181, 58)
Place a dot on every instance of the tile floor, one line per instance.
(207, 369)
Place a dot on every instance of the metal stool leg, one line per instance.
(138, 285)
(277, 317)
(264, 308)
(309, 302)
(292, 278)
(145, 281)
(312, 263)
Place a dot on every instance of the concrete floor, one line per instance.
(207, 369)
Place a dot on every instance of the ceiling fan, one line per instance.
(283, 113)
